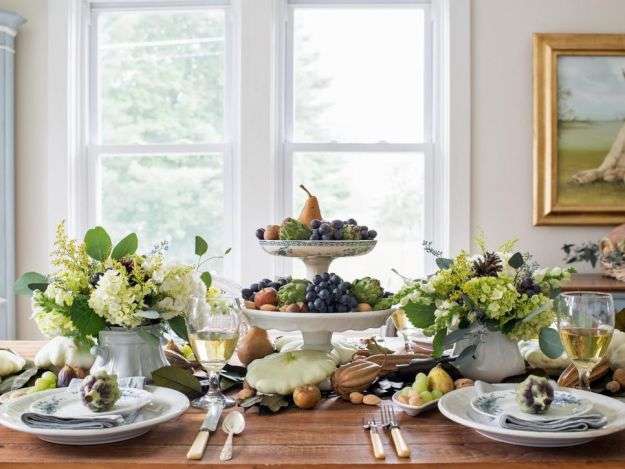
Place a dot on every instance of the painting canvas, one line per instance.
(579, 129)
(591, 130)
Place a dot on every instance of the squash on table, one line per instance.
(281, 373)
(62, 351)
(10, 363)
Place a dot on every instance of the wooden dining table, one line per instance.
(330, 436)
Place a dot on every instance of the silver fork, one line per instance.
(389, 420)
(374, 433)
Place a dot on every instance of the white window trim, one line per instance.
(256, 31)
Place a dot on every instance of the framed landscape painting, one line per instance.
(579, 129)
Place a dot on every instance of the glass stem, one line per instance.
(213, 384)
(584, 377)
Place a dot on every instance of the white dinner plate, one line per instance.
(69, 404)
(456, 406)
(166, 405)
(496, 403)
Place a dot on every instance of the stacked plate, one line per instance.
(481, 413)
(144, 410)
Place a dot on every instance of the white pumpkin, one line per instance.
(10, 363)
(281, 373)
(343, 352)
(62, 351)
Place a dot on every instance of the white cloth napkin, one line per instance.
(97, 422)
(579, 423)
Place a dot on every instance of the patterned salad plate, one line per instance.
(457, 406)
(166, 404)
(69, 404)
(494, 404)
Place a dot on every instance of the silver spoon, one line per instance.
(233, 424)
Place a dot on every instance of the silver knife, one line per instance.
(209, 424)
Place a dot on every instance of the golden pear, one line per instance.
(311, 209)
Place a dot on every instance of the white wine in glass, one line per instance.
(213, 348)
(586, 324)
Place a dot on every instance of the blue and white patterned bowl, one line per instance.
(329, 249)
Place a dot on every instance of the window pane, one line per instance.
(160, 198)
(161, 76)
(380, 190)
(358, 74)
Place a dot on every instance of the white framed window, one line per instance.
(161, 121)
(358, 124)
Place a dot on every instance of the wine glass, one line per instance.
(586, 324)
(403, 326)
(213, 328)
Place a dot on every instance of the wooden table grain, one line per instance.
(328, 437)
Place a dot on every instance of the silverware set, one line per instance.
(386, 420)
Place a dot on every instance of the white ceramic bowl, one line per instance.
(317, 328)
(413, 410)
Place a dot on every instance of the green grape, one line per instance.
(46, 381)
(437, 394)
(426, 396)
(420, 385)
(405, 391)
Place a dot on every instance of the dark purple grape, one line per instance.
(351, 221)
(315, 236)
(325, 229)
(317, 279)
(337, 224)
(324, 294)
(353, 301)
(310, 296)
(315, 223)
(325, 276)
(372, 234)
(247, 294)
(364, 228)
(326, 237)
(311, 306)
(318, 303)
(364, 234)
(255, 287)
(275, 285)
(342, 309)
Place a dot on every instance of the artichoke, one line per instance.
(384, 303)
(100, 391)
(292, 229)
(367, 290)
(293, 292)
(350, 232)
(534, 395)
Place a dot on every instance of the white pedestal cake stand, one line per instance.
(317, 328)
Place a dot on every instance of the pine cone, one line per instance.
(488, 265)
(528, 286)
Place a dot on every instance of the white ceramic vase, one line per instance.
(497, 357)
(129, 352)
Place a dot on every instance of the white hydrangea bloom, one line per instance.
(179, 284)
(51, 323)
(115, 301)
(60, 296)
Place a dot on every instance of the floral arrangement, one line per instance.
(500, 290)
(96, 286)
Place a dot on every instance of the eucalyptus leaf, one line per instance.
(179, 379)
(455, 336)
(516, 261)
(438, 346)
(207, 279)
(201, 246)
(126, 247)
(227, 251)
(419, 314)
(179, 326)
(98, 243)
(22, 284)
(549, 341)
(38, 286)
(274, 402)
(148, 314)
(250, 401)
(444, 263)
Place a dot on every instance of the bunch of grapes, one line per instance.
(328, 293)
(248, 293)
(333, 230)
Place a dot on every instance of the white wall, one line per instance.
(30, 147)
(501, 174)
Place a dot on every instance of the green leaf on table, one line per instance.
(201, 246)
(19, 380)
(179, 326)
(126, 247)
(420, 314)
(84, 318)
(549, 341)
(23, 284)
(179, 379)
(438, 345)
(98, 243)
(516, 261)
(443, 263)
(207, 279)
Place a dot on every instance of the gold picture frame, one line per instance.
(551, 188)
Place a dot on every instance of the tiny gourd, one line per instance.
(61, 351)
(10, 363)
(281, 373)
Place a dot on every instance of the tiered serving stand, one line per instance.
(317, 328)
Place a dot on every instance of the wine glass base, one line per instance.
(208, 400)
